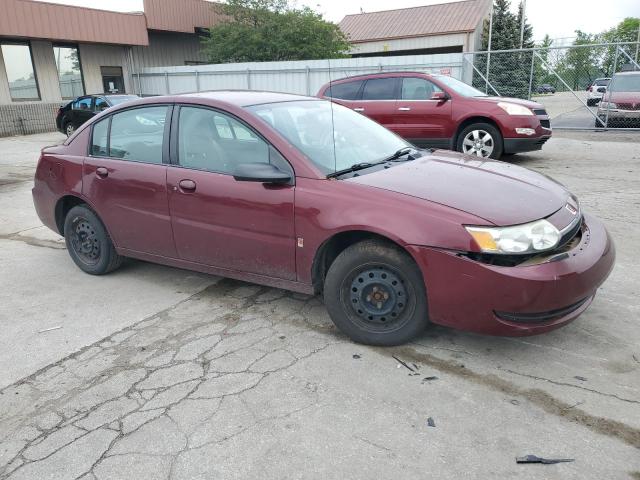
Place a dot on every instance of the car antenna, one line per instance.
(333, 126)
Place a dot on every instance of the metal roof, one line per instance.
(180, 15)
(29, 19)
(443, 18)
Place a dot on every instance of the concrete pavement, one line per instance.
(161, 373)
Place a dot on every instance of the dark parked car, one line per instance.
(307, 195)
(546, 88)
(442, 112)
(74, 113)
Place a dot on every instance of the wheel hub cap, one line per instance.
(479, 143)
(378, 295)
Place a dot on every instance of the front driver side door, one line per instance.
(217, 220)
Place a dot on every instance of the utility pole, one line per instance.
(524, 9)
(486, 86)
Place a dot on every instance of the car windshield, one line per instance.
(118, 99)
(602, 82)
(333, 137)
(459, 87)
(625, 83)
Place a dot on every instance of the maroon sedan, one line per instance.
(440, 111)
(306, 195)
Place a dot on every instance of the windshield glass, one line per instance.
(459, 87)
(121, 99)
(332, 138)
(625, 83)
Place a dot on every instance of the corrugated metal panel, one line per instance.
(414, 43)
(29, 19)
(418, 21)
(93, 57)
(168, 48)
(180, 16)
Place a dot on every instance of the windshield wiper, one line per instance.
(353, 168)
(400, 153)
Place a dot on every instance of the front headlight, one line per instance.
(515, 109)
(531, 237)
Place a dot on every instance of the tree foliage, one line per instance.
(509, 72)
(271, 30)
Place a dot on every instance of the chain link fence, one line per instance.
(593, 86)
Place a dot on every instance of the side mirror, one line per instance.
(439, 96)
(260, 172)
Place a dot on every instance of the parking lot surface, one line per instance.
(156, 373)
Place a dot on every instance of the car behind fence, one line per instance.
(589, 86)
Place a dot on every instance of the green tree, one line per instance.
(625, 32)
(580, 64)
(271, 30)
(509, 72)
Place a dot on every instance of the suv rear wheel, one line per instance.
(481, 140)
(69, 129)
(375, 293)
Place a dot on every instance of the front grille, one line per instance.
(540, 111)
(628, 106)
(540, 317)
(545, 123)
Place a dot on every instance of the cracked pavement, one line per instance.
(158, 373)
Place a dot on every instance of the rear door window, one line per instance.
(82, 104)
(138, 134)
(344, 91)
(99, 138)
(380, 89)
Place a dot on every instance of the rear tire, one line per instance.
(591, 102)
(479, 138)
(375, 294)
(69, 129)
(88, 242)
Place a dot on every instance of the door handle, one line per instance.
(405, 109)
(102, 172)
(187, 185)
(358, 109)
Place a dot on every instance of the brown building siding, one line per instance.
(28, 19)
(179, 16)
(415, 22)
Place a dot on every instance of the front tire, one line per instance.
(88, 242)
(375, 294)
(481, 140)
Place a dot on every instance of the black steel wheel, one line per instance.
(88, 242)
(374, 293)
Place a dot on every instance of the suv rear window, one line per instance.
(380, 89)
(344, 91)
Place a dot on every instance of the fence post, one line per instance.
(610, 86)
(308, 74)
(166, 82)
(380, 67)
(533, 59)
(197, 81)
(248, 79)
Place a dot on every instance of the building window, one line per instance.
(18, 64)
(69, 71)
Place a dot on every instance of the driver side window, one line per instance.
(213, 141)
(418, 88)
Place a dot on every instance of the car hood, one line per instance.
(519, 101)
(622, 97)
(499, 192)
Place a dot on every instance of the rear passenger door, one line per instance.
(378, 100)
(125, 178)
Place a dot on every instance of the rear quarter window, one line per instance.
(344, 91)
(380, 89)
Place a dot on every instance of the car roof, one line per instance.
(364, 76)
(632, 72)
(244, 98)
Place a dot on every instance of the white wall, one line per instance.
(301, 77)
(432, 41)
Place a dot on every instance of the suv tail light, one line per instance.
(591, 88)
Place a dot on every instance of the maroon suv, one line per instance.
(442, 112)
(303, 194)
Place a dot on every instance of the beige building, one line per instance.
(50, 53)
(444, 28)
